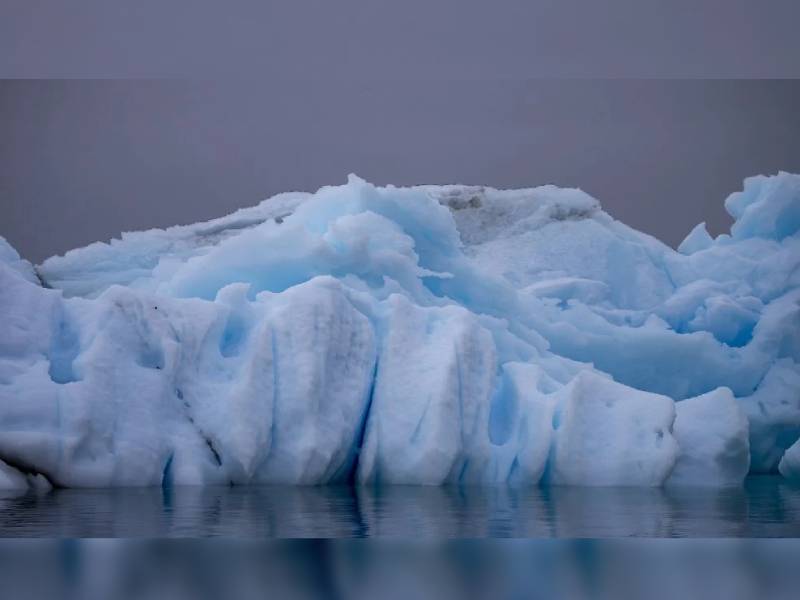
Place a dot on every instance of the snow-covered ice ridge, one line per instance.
(429, 335)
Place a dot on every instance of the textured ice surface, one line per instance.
(713, 433)
(438, 334)
(610, 434)
(789, 466)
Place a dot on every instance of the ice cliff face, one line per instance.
(409, 335)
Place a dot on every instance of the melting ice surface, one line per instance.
(427, 335)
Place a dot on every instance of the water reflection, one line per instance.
(701, 569)
(765, 507)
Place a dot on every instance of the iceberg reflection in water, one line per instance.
(702, 569)
(765, 507)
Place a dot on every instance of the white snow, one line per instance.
(430, 335)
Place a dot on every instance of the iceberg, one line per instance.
(789, 466)
(424, 335)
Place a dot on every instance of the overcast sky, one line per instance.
(435, 39)
(256, 98)
(81, 161)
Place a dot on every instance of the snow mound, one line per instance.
(428, 335)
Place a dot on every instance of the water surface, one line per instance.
(764, 507)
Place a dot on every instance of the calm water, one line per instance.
(764, 507)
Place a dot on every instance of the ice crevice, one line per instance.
(426, 335)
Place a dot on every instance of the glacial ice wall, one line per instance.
(430, 335)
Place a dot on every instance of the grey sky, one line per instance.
(83, 160)
(432, 39)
